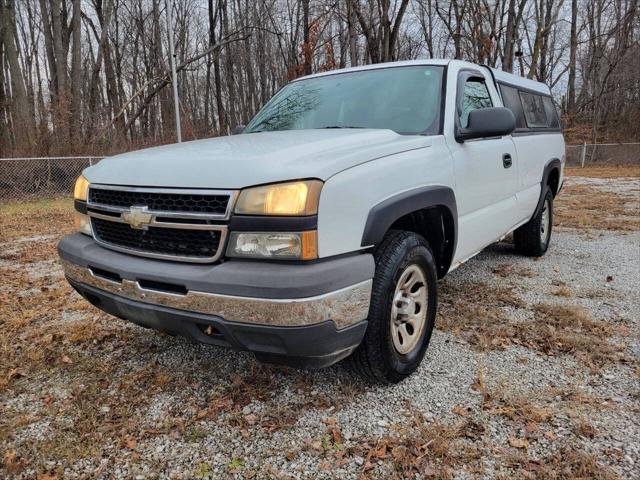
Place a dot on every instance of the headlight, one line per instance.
(278, 246)
(81, 189)
(83, 223)
(286, 199)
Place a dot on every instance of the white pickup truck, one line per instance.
(319, 232)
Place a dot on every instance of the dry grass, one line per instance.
(587, 207)
(42, 217)
(613, 171)
(35, 296)
(51, 338)
(531, 418)
(569, 463)
(444, 451)
(50, 333)
(563, 291)
(482, 314)
(505, 270)
(431, 450)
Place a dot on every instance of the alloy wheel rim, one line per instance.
(409, 309)
(545, 226)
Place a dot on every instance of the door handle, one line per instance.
(507, 160)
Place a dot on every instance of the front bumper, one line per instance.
(302, 314)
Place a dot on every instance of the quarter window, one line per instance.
(534, 111)
(511, 100)
(475, 96)
(552, 113)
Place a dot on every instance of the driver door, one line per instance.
(485, 172)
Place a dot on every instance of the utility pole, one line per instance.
(172, 61)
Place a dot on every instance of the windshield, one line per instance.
(403, 99)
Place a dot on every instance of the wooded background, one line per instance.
(92, 76)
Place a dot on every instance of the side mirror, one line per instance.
(238, 130)
(487, 122)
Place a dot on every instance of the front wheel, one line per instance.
(532, 239)
(402, 311)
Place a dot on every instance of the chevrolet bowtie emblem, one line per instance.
(138, 217)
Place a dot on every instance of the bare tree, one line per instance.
(19, 110)
(91, 75)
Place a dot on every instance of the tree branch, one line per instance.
(164, 80)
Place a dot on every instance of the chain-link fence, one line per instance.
(47, 177)
(589, 155)
(43, 177)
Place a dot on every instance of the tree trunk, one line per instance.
(222, 116)
(229, 67)
(5, 131)
(353, 47)
(544, 49)
(75, 133)
(395, 31)
(22, 121)
(166, 105)
(62, 106)
(571, 89)
(104, 17)
(510, 38)
(48, 43)
(307, 48)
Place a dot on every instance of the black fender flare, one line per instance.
(551, 165)
(384, 214)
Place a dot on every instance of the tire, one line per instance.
(533, 238)
(383, 357)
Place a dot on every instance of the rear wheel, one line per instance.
(402, 311)
(532, 239)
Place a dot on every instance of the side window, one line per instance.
(475, 95)
(511, 100)
(552, 113)
(534, 111)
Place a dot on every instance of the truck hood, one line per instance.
(251, 159)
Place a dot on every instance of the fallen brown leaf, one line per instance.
(202, 413)
(381, 452)
(460, 410)
(518, 442)
(9, 461)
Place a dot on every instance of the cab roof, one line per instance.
(498, 75)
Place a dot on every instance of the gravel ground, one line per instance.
(124, 402)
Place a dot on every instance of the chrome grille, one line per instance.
(171, 224)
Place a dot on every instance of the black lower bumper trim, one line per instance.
(312, 346)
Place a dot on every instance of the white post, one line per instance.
(172, 61)
(584, 154)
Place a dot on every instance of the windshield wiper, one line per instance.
(339, 126)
